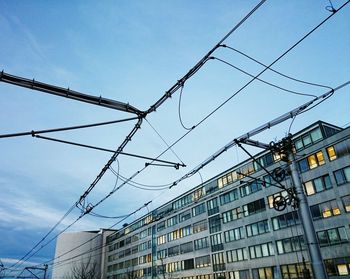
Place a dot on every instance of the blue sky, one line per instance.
(133, 51)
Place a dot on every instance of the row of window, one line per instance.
(173, 235)
(312, 161)
(319, 211)
(334, 267)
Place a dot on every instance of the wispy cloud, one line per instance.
(23, 212)
(13, 260)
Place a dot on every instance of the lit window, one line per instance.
(320, 158)
(312, 161)
(346, 203)
(331, 153)
(309, 187)
(342, 269)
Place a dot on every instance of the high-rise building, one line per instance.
(232, 226)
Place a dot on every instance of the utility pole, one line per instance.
(306, 221)
(296, 198)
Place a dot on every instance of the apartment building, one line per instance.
(228, 227)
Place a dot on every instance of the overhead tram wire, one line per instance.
(167, 95)
(94, 237)
(67, 261)
(193, 70)
(32, 133)
(254, 131)
(179, 111)
(107, 150)
(26, 256)
(273, 70)
(159, 135)
(123, 178)
(261, 128)
(261, 80)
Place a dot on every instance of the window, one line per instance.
(179, 233)
(216, 242)
(186, 247)
(285, 220)
(227, 179)
(311, 162)
(234, 234)
(251, 188)
(161, 226)
(261, 250)
(188, 264)
(317, 185)
(173, 267)
(143, 234)
(331, 153)
(213, 206)
(218, 261)
(338, 150)
(332, 236)
(296, 271)
(254, 207)
(173, 251)
(291, 244)
(160, 240)
(239, 274)
(231, 215)
(342, 176)
(257, 228)
(265, 161)
(215, 224)
(127, 252)
(185, 215)
(338, 266)
(201, 243)
(202, 261)
(145, 259)
(199, 209)
(180, 203)
(265, 273)
(171, 221)
(237, 255)
(325, 210)
(346, 203)
(267, 180)
(307, 139)
(270, 198)
(162, 254)
(229, 197)
(198, 194)
(200, 226)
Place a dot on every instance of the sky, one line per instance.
(134, 51)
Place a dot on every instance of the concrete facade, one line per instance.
(227, 227)
(79, 252)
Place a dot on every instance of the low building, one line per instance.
(80, 255)
(228, 227)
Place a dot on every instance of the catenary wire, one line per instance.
(163, 140)
(263, 81)
(339, 9)
(26, 256)
(179, 110)
(123, 178)
(32, 133)
(167, 95)
(275, 71)
(280, 57)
